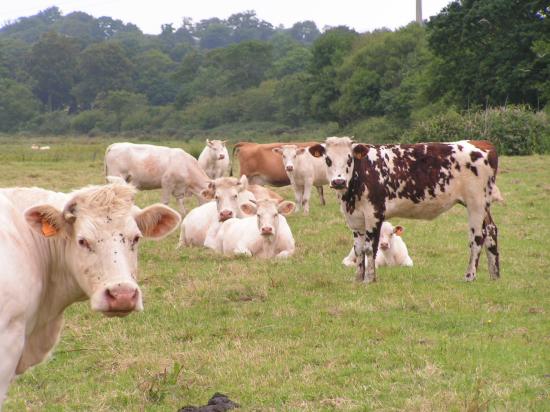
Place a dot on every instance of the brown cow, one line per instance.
(262, 166)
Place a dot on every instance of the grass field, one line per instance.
(301, 334)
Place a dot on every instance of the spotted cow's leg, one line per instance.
(372, 237)
(491, 245)
(359, 249)
(476, 215)
(321, 195)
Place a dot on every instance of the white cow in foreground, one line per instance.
(60, 248)
(214, 159)
(265, 235)
(304, 172)
(146, 167)
(392, 249)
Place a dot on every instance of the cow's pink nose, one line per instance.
(384, 246)
(267, 230)
(225, 214)
(222, 156)
(289, 168)
(122, 299)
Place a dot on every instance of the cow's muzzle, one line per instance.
(121, 299)
(220, 157)
(266, 231)
(338, 183)
(289, 168)
(224, 215)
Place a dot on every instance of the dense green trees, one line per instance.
(92, 75)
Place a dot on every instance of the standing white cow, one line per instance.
(265, 235)
(214, 159)
(146, 167)
(59, 248)
(392, 248)
(304, 172)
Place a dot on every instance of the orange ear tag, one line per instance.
(47, 229)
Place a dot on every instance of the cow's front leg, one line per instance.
(12, 339)
(372, 236)
(306, 196)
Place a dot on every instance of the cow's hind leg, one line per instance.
(359, 249)
(476, 215)
(491, 245)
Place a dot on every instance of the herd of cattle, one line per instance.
(61, 248)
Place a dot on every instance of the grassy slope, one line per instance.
(301, 334)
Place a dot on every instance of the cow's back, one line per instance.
(143, 165)
(258, 161)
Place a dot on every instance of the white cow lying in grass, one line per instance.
(214, 159)
(392, 249)
(265, 235)
(304, 172)
(229, 194)
(58, 249)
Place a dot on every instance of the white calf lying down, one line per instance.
(214, 159)
(265, 235)
(392, 250)
(229, 194)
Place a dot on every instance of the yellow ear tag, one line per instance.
(47, 229)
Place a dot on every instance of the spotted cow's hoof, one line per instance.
(470, 277)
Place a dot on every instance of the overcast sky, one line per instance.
(362, 15)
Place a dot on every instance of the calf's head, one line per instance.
(228, 193)
(339, 154)
(387, 233)
(267, 213)
(289, 154)
(98, 232)
(217, 149)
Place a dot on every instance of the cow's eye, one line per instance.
(328, 161)
(84, 243)
(235, 196)
(136, 240)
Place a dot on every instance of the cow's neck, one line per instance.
(268, 245)
(59, 290)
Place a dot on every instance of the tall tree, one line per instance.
(52, 64)
(102, 67)
(485, 50)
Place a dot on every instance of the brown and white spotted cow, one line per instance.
(418, 181)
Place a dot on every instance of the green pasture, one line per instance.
(301, 334)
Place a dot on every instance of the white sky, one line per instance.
(148, 15)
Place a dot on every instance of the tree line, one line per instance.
(80, 74)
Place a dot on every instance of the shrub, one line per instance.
(52, 123)
(376, 130)
(85, 121)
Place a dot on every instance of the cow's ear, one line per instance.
(360, 151)
(248, 208)
(286, 207)
(208, 142)
(300, 150)
(157, 221)
(398, 230)
(46, 220)
(210, 191)
(224, 142)
(318, 150)
(243, 182)
(277, 150)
